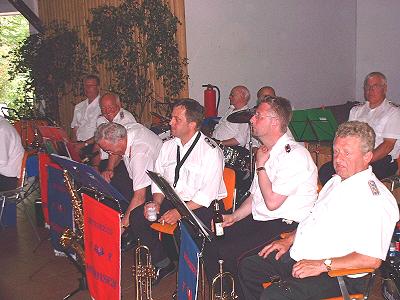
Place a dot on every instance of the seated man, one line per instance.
(283, 192)
(138, 147)
(114, 172)
(11, 154)
(193, 165)
(264, 92)
(350, 226)
(234, 134)
(384, 118)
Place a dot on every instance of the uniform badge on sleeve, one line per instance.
(373, 187)
(210, 142)
(288, 148)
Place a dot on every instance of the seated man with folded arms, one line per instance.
(193, 165)
(384, 118)
(283, 191)
(138, 147)
(114, 172)
(349, 227)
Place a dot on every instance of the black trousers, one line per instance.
(7, 183)
(255, 270)
(242, 239)
(382, 168)
(140, 226)
(121, 181)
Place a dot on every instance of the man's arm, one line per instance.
(230, 142)
(307, 268)
(113, 161)
(172, 216)
(242, 212)
(383, 149)
(73, 134)
(137, 199)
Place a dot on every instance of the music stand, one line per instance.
(313, 125)
(180, 205)
(93, 183)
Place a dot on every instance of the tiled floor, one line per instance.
(28, 274)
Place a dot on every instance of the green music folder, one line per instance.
(312, 125)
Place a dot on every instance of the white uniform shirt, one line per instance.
(225, 130)
(293, 173)
(85, 118)
(354, 215)
(11, 150)
(200, 177)
(124, 118)
(384, 119)
(143, 147)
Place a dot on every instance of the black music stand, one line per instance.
(91, 183)
(180, 205)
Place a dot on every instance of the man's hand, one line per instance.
(306, 268)
(229, 220)
(170, 217)
(281, 246)
(125, 220)
(107, 175)
(262, 155)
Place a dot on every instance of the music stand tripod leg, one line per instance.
(82, 287)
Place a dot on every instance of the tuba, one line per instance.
(69, 238)
(219, 280)
(143, 272)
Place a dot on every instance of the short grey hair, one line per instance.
(375, 74)
(358, 129)
(116, 96)
(110, 132)
(244, 91)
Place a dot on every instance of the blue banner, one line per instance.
(188, 275)
(60, 206)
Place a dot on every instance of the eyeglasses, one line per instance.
(373, 87)
(259, 116)
(110, 152)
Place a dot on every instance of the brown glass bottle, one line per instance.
(217, 221)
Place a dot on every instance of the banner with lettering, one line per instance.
(59, 206)
(188, 274)
(102, 249)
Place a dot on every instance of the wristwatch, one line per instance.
(260, 169)
(328, 264)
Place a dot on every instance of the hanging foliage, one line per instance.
(55, 63)
(131, 39)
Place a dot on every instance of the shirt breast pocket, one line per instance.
(168, 170)
(191, 175)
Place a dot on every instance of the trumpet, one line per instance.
(143, 272)
(219, 280)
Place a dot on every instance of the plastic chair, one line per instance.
(19, 195)
(339, 274)
(229, 176)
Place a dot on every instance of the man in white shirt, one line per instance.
(86, 112)
(264, 92)
(114, 172)
(350, 227)
(384, 117)
(283, 191)
(234, 134)
(193, 165)
(11, 154)
(138, 147)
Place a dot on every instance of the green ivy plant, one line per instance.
(55, 63)
(132, 38)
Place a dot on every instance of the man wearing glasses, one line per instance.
(384, 117)
(283, 191)
(139, 148)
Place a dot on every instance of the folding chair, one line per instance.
(18, 196)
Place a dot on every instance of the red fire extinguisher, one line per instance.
(210, 100)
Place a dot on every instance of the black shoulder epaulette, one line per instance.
(373, 187)
(211, 142)
(167, 138)
(394, 104)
